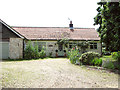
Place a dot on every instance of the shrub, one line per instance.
(33, 52)
(107, 53)
(42, 53)
(96, 62)
(116, 55)
(36, 52)
(86, 58)
(109, 65)
(74, 55)
(67, 53)
(50, 54)
(117, 66)
(29, 51)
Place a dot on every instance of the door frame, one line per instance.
(60, 49)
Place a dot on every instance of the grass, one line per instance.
(113, 63)
(106, 57)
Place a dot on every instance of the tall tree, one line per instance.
(108, 19)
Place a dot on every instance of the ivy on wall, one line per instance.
(83, 45)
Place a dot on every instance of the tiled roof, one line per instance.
(53, 33)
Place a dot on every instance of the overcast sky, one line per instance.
(48, 13)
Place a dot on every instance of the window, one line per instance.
(40, 45)
(50, 46)
(93, 45)
(71, 45)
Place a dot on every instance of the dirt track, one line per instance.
(54, 73)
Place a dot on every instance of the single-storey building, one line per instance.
(13, 40)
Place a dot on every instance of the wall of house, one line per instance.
(0, 41)
(0, 31)
(98, 50)
(51, 46)
(16, 48)
(7, 34)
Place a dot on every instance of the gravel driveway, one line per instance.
(54, 73)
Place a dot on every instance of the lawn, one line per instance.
(107, 57)
(54, 73)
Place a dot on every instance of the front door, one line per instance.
(60, 50)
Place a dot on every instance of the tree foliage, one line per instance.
(108, 19)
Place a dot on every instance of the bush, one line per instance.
(36, 52)
(117, 66)
(29, 51)
(86, 58)
(42, 53)
(107, 53)
(50, 54)
(67, 53)
(109, 65)
(74, 55)
(116, 55)
(33, 52)
(96, 62)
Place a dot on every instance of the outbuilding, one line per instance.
(11, 42)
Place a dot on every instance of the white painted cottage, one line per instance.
(45, 36)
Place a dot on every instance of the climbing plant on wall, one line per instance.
(63, 41)
(83, 45)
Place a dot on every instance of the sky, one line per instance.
(49, 13)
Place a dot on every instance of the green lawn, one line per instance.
(106, 57)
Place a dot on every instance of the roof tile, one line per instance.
(53, 33)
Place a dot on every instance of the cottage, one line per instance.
(14, 39)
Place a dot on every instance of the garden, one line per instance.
(111, 61)
(108, 61)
